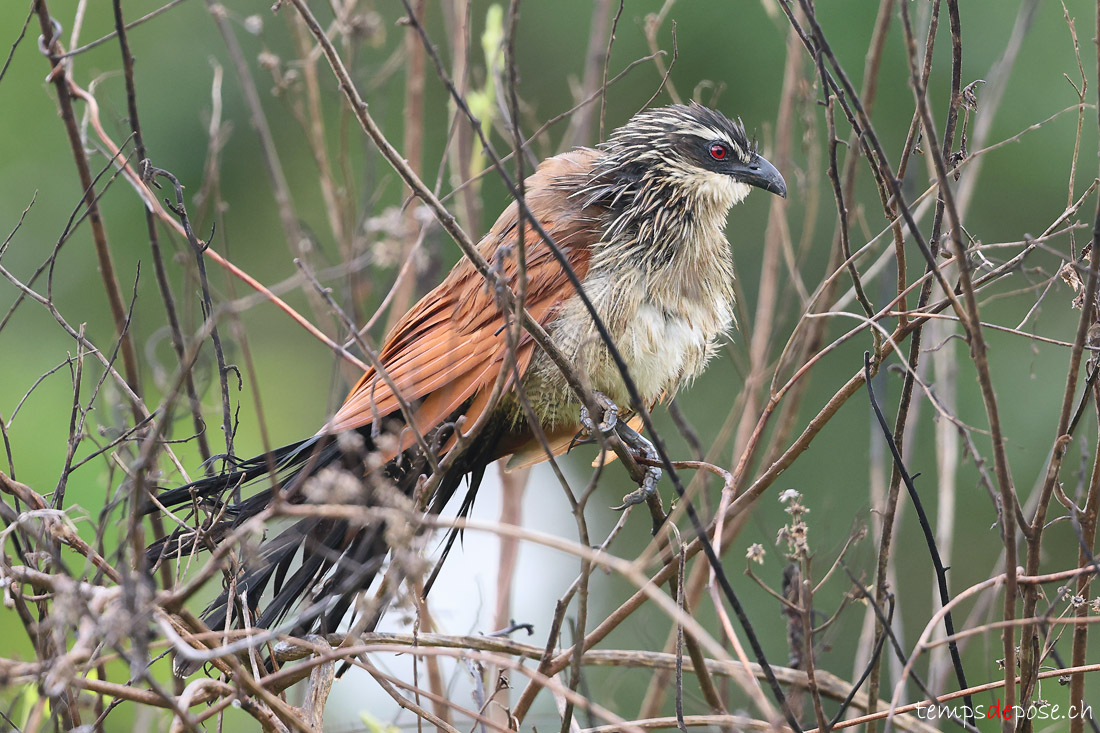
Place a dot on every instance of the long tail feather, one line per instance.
(293, 463)
(316, 567)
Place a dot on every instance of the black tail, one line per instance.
(292, 465)
(318, 565)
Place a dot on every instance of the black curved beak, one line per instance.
(762, 174)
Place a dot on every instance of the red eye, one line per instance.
(718, 151)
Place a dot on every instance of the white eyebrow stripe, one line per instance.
(707, 133)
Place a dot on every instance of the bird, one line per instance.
(640, 219)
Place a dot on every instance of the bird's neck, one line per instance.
(671, 228)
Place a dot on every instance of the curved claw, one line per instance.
(581, 438)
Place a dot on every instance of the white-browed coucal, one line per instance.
(640, 220)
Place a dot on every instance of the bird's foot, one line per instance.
(637, 443)
(624, 436)
(608, 420)
(645, 492)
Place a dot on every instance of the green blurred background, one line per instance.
(732, 53)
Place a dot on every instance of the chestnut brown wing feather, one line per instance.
(447, 351)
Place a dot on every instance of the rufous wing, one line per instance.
(448, 350)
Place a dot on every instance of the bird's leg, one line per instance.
(628, 443)
(638, 444)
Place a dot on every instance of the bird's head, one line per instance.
(696, 146)
(685, 160)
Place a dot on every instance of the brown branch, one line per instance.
(59, 76)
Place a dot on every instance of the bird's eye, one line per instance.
(719, 151)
